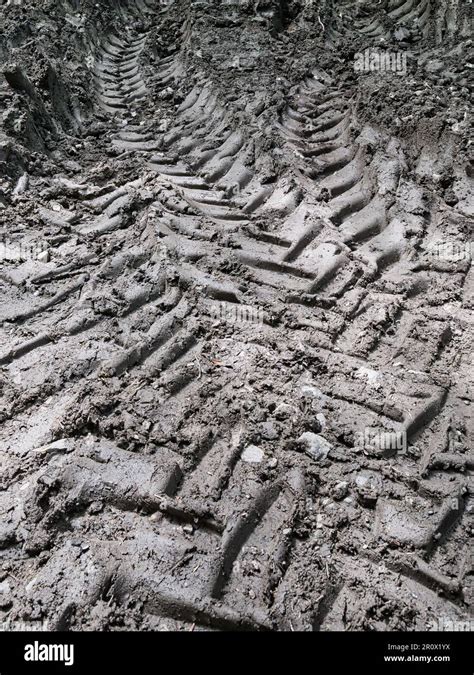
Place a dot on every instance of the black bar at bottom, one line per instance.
(430, 652)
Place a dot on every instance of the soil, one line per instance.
(236, 321)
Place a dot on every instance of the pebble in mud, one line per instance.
(368, 486)
(268, 431)
(252, 454)
(317, 447)
(44, 256)
(283, 411)
(340, 490)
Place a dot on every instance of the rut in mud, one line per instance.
(236, 305)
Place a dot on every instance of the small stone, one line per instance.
(268, 431)
(189, 529)
(322, 420)
(283, 411)
(402, 34)
(44, 256)
(62, 445)
(309, 391)
(317, 447)
(340, 490)
(95, 507)
(272, 463)
(368, 486)
(252, 454)
(166, 93)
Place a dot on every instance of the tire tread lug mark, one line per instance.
(241, 528)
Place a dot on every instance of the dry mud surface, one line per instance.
(236, 304)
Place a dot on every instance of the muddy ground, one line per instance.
(236, 301)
